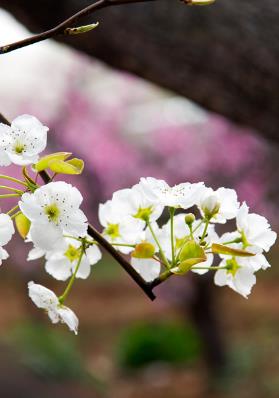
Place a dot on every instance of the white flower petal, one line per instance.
(84, 268)
(4, 158)
(45, 236)
(94, 254)
(3, 255)
(35, 254)
(42, 297)
(149, 269)
(59, 267)
(68, 317)
(6, 229)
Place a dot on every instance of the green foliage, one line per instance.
(45, 161)
(48, 352)
(149, 343)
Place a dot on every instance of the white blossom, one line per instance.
(45, 298)
(52, 210)
(135, 203)
(256, 262)
(61, 264)
(148, 268)
(239, 278)
(255, 229)
(118, 229)
(6, 229)
(23, 141)
(220, 205)
(184, 195)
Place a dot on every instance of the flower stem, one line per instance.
(237, 240)
(172, 211)
(205, 230)
(191, 231)
(71, 282)
(10, 195)
(16, 214)
(197, 226)
(164, 258)
(11, 189)
(123, 244)
(208, 268)
(12, 210)
(13, 179)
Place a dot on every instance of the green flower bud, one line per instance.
(189, 218)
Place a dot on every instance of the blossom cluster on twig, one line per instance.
(151, 222)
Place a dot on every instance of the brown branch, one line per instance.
(61, 29)
(146, 287)
(4, 120)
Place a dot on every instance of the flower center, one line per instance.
(52, 212)
(19, 147)
(244, 240)
(144, 213)
(72, 253)
(113, 231)
(232, 266)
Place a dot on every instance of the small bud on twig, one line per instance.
(81, 29)
(199, 2)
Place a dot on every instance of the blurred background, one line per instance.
(163, 90)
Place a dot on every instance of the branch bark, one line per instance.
(69, 22)
(224, 57)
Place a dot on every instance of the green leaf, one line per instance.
(191, 254)
(186, 265)
(77, 163)
(73, 166)
(22, 225)
(44, 162)
(192, 250)
(222, 249)
(144, 250)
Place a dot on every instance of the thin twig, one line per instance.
(61, 29)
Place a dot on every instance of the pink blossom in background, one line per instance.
(125, 128)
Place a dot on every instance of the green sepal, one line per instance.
(22, 225)
(144, 250)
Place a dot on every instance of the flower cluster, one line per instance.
(186, 243)
(150, 222)
(48, 216)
